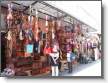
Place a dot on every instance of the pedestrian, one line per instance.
(54, 60)
(69, 58)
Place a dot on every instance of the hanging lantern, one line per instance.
(36, 23)
(36, 13)
(46, 21)
(46, 29)
(59, 24)
(36, 26)
(53, 35)
(36, 37)
(77, 28)
(30, 17)
(9, 16)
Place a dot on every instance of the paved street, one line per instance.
(91, 69)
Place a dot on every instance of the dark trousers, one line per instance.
(48, 60)
(59, 65)
(70, 66)
(81, 59)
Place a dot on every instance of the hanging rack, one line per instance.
(67, 14)
(52, 7)
(27, 7)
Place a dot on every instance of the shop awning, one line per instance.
(86, 12)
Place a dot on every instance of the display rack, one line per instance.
(37, 62)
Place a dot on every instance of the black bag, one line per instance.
(53, 63)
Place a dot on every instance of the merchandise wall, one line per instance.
(28, 39)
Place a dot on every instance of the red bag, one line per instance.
(20, 53)
(47, 50)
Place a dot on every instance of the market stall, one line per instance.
(32, 30)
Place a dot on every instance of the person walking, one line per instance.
(69, 58)
(54, 60)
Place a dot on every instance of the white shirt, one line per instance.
(68, 57)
